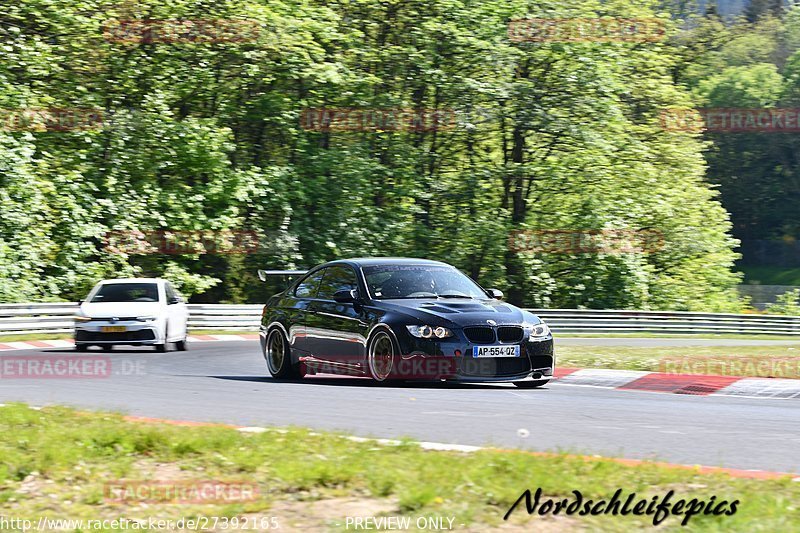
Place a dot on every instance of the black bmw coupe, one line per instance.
(402, 319)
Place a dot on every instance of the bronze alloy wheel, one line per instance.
(276, 352)
(381, 356)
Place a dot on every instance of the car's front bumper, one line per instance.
(135, 334)
(452, 360)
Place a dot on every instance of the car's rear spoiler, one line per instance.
(262, 274)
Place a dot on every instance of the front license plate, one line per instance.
(495, 351)
(113, 329)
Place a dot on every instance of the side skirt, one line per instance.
(321, 366)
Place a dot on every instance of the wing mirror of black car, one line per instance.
(346, 296)
(495, 293)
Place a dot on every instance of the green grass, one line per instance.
(755, 361)
(54, 462)
(766, 275)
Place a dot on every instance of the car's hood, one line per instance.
(120, 309)
(460, 312)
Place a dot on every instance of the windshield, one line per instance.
(127, 292)
(417, 281)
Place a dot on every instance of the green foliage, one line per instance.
(753, 63)
(208, 137)
(787, 303)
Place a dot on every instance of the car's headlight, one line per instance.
(145, 318)
(80, 318)
(428, 332)
(538, 330)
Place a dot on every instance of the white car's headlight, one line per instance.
(428, 332)
(538, 330)
(145, 318)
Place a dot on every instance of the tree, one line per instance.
(208, 136)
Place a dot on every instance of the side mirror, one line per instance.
(174, 300)
(346, 296)
(495, 293)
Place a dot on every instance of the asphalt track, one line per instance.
(226, 382)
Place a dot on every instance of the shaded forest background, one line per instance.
(208, 136)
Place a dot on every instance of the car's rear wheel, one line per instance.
(108, 347)
(278, 356)
(181, 346)
(534, 384)
(380, 356)
(81, 347)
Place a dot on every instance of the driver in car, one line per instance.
(406, 283)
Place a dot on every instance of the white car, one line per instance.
(133, 311)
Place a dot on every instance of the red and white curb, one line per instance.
(215, 338)
(688, 384)
(68, 343)
(33, 345)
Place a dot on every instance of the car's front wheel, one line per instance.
(380, 356)
(278, 356)
(164, 348)
(535, 384)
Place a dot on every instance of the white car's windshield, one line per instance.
(127, 292)
(419, 281)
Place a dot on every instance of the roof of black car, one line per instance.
(373, 261)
